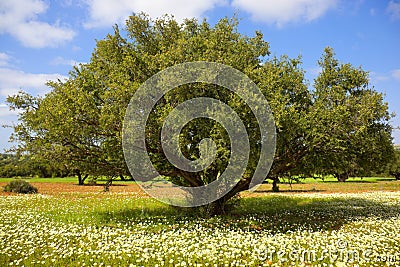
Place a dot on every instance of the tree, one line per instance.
(350, 122)
(393, 167)
(12, 165)
(79, 123)
(282, 81)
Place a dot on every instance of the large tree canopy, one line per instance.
(352, 122)
(340, 127)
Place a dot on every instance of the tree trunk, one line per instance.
(81, 179)
(275, 187)
(397, 176)
(108, 184)
(216, 208)
(342, 177)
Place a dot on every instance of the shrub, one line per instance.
(20, 186)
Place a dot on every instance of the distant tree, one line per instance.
(350, 126)
(12, 165)
(393, 167)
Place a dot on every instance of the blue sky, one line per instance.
(42, 40)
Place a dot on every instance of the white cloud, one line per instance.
(393, 9)
(12, 81)
(372, 12)
(393, 75)
(19, 19)
(315, 71)
(4, 59)
(378, 77)
(7, 118)
(285, 11)
(106, 13)
(63, 61)
(396, 74)
(5, 113)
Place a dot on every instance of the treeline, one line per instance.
(12, 165)
(393, 167)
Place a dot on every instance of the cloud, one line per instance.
(6, 113)
(372, 12)
(393, 75)
(4, 59)
(7, 118)
(104, 13)
(396, 74)
(285, 11)
(378, 77)
(315, 71)
(12, 81)
(19, 19)
(393, 9)
(62, 61)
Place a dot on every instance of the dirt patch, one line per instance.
(330, 187)
(57, 188)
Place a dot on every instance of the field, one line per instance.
(315, 223)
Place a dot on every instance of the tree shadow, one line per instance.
(290, 191)
(273, 213)
(350, 182)
(386, 179)
(284, 213)
(101, 184)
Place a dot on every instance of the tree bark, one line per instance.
(275, 187)
(81, 179)
(342, 177)
(108, 184)
(217, 207)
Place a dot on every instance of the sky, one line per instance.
(43, 40)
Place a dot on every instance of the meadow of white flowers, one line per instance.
(124, 230)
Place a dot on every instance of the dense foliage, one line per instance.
(393, 167)
(12, 165)
(339, 127)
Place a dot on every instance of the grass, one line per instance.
(331, 179)
(81, 227)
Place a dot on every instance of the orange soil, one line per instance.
(56, 188)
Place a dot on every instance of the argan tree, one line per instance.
(350, 122)
(338, 127)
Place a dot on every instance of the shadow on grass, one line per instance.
(351, 182)
(291, 191)
(375, 180)
(274, 213)
(102, 184)
(386, 180)
(282, 213)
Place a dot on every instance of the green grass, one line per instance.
(123, 229)
(100, 229)
(330, 179)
